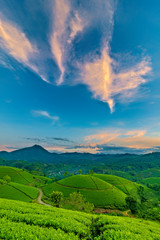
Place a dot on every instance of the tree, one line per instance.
(141, 193)
(7, 178)
(132, 204)
(56, 198)
(53, 179)
(80, 171)
(91, 172)
(66, 173)
(76, 199)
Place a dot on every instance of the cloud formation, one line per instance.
(72, 22)
(103, 80)
(41, 113)
(15, 43)
(67, 23)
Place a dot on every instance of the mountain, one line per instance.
(35, 153)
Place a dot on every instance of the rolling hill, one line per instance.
(16, 175)
(97, 191)
(126, 186)
(17, 188)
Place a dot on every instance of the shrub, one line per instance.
(57, 198)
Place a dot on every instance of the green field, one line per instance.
(95, 190)
(31, 221)
(16, 175)
(151, 180)
(126, 186)
(18, 191)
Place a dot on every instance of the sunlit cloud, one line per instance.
(61, 11)
(15, 42)
(135, 139)
(104, 76)
(7, 148)
(101, 138)
(41, 113)
(76, 25)
(64, 149)
(67, 23)
(106, 84)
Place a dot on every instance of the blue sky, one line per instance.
(80, 75)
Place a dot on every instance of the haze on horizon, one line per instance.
(80, 76)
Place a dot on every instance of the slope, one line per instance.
(95, 190)
(32, 221)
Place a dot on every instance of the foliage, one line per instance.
(7, 178)
(57, 198)
(132, 204)
(28, 221)
(77, 200)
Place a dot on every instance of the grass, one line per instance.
(151, 180)
(126, 186)
(16, 175)
(95, 190)
(32, 192)
(85, 181)
(30, 221)
(7, 191)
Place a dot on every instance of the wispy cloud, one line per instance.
(41, 113)
(106, 84)
(135, 139)
(97, 68)
(15, 43)
(61, 11)
(76, 25)
(67, 23)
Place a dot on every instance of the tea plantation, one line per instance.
(101, 190)
(30, 221)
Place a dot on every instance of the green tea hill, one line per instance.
(17, 175)
(17, 188)
(101, 190)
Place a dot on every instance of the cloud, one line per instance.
(108, 81)
(103, 80)
(136, 140)
(41, 113)
(61, 11)
(101, 138)
(67, 23)
(59, 139)
(14, 42)
(76, 26)
(80, 34)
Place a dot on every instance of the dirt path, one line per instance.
(39, 199)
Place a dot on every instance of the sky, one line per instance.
(80, 75)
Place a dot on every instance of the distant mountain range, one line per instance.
(37, 153)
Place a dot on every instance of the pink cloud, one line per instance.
(105, 83)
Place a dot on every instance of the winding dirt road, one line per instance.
(39, 199)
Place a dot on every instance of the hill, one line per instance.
(151, 180)
(18, 191)
(94, 189)
(16, 175)
(32, 221)
(126, 186)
